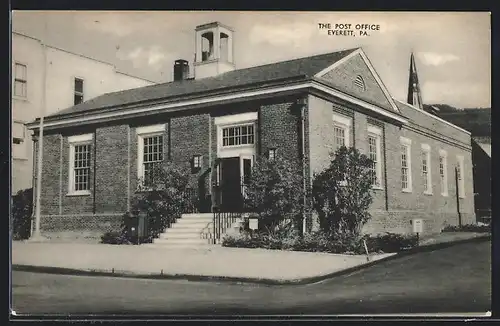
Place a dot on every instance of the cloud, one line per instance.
(281, 35)
(153, 56)
(436, 59)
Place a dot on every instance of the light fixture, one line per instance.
(271, 153)
(197, 161)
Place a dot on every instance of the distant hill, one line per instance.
(475, 120)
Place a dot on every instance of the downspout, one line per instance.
(458, 198)
(33, 182)
(94, 174)
(303, 156)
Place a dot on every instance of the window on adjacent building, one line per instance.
(20, 80)
(78, 96)
(80, 159)
(460, 176)
(374, 153)
(426, 169)
(406, 182)
(238, 135)
(150, 152)
(19, 149)
(443, 174)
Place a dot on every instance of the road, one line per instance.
(451, 280)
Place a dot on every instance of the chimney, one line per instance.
(181, 70)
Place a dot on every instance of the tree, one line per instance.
(275, 192)
(342, 192)
(22, 209)
(165, 197)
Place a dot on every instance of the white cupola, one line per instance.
(214, 50)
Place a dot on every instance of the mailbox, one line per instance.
(417, 225)
(253, 223)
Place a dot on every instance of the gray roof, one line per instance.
(306, 67)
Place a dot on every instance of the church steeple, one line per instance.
(414, 94)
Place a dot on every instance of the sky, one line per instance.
(452, 49)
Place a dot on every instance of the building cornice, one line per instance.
(242, 95)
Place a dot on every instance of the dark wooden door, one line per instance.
(231, 184)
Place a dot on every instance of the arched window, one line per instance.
(359, 82)
(207, 46)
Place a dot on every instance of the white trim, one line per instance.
(75, 141)
(214, 99)
(377, 132)
(407, 143)
(342, 120)
(236, 118)
(142, 132)
(80, 138)
(235, 150)
(345, 123)
(435, 117)
(150, 129)
(374, 130)
(426, 149)
(443, 153)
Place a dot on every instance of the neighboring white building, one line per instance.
(69, 78)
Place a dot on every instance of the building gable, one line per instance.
(355, 76)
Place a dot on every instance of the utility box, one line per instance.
(418, 225)
(253, 223)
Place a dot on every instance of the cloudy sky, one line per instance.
(452, 49)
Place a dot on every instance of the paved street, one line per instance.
(455, 279)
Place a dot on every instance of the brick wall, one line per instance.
(111, 169)
(49, 199)
(435, 209)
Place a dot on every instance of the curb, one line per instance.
(198, 278)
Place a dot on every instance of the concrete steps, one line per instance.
(191, 231)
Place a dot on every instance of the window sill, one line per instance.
(78, 193)
(444, 194)
(461, 197)
(377, 188)
(408, 191)
(428, 193)
(19, 158)
(19, 98)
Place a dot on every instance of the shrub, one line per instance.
(165, 198)
(337, 243)
(342, 193)
(391, 242)
(275, 190)
(115, 237)
(22, 210)
(467, 228)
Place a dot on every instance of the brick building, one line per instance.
(221, 119)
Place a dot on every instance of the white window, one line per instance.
(341, 131)
(238, 135)
(406, 182)
(460, 176)
(20, 80)
(78, 91)
(80, 153)
(426, 169)
(19, 149)
(150, 152)
(443, 172)
(374, 153)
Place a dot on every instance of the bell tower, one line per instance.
(214, 50)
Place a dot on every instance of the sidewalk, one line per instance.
(217, 263)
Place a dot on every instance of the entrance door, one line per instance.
(230, 184)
